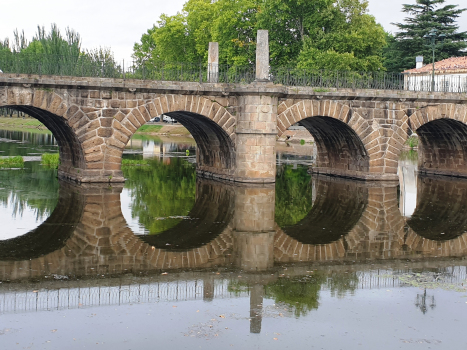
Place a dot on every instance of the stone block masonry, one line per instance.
(359, 133)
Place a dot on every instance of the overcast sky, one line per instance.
(119, 24)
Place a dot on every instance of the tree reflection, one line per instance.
(34, 186)
(301, 293)
(293, 195)
(162, 192)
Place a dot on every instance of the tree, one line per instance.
(424, 16)
(323, 34)
(54, 53)
(332, 34)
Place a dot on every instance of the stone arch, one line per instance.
(347, 144)
(211, 125)
(77, 129)
(442, 131)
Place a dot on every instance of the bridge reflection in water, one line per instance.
(230, 228)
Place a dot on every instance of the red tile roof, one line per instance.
(449, 65)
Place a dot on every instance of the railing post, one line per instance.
(262, 55)
(213, 62)
(201, 73)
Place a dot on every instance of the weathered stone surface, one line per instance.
(358, 133)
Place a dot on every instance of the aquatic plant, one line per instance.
(12, 162)
(412, 141)
(51, 160)
(134, 162)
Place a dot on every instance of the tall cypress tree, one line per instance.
(424, 16)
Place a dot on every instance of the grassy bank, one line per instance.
(20, 124)
(150, 128)
(169, 129)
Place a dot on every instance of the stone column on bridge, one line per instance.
(213, 62)
(262, 55)
(257, 124)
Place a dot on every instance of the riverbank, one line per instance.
(23, 124)
(34, 125)
(164, 129)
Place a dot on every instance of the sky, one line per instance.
(119, 24)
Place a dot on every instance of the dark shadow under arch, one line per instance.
(215, 148)
(211, 213)
(441, 211)
(339, 146)
(338, 207)
(443, 147)
(71, 153)
(52, 234)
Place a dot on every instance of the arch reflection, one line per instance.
(338, 206)
(441, 210)
(235, 226)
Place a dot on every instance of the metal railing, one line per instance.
(320, 80)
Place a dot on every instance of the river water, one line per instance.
(167, 260)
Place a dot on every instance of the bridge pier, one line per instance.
(256, 139)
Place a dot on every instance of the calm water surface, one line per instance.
(167, 260)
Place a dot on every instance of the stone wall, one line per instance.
(359, 133)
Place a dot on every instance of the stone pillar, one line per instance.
(256, 139)
(213, 62)
(254, 227)
(262, 55)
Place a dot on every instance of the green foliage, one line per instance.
(408, 42)
(31, 187)
(340, 283)
(409, 155)
(412, 141)
(293, 195)
(324, 34)
(51, 160)
(160, 191)
(12, 162)
(55, 54)
(150, 128)
(301, 294)
(331, 34)
(132, 162)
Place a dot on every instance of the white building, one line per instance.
(450, 76)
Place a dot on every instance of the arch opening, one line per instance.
(443, 148)
(70, 150)
(215, 149)
(338, 145)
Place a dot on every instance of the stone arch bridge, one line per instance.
(359, 133)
